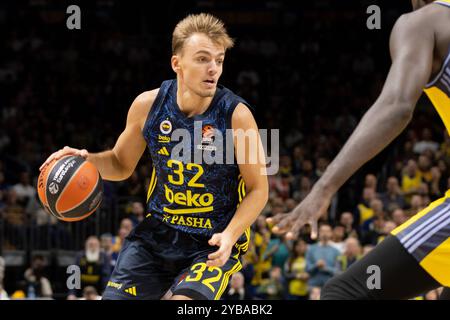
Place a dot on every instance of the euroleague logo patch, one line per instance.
(53, 188)
(207, 134)
(165, 127)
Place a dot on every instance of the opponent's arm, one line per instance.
(411, 44)
(119, 163)
(256, 185)
(412, 56)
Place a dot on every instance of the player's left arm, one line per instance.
(256, 186)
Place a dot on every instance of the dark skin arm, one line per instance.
(411, 47)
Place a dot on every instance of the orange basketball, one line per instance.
(70, 188)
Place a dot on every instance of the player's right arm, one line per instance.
(411, 44)
(119, 162)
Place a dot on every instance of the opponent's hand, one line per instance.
(221, 256)
(307, 212)
(63, 152)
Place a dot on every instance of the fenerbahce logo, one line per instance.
(165, 127)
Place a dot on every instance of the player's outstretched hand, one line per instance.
(220, 257)
(307, 212)
(63, 152)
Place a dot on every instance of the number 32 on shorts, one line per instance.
(198, 269)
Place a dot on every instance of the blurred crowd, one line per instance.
(60, 88)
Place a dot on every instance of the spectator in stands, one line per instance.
(352, 253)
(248, 272)
(377, 208)
(370, 181)
(277, 251)
(38, 286)
(321, 258)
(375, 233)
(24, 190)
(290, 204)
(280, 184)
(347, 221)
(305, 188)
(94, 266)
(308, 170)
(298, 154)
(257, 251)
(337, 240)
(417, 204)
(398, 217)
(3, 293)
(137, 212)
(443, 175)
(295, 272)
(392, 198)
(15, 218)
(389, 225)
(436, 190)
(424, 166)
(321, 165)
(314, 293)
(126, 225)
(106, 246)
(426, 143)
(363, 211)
(411, 179)
(273, 287)
(90, 293)
(236, 289)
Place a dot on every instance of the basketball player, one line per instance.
(416, 257)
(198, 215)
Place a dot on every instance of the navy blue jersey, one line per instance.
(185, 193)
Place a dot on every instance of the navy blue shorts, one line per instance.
(169, 259)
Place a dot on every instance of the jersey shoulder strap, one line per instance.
(164, 89)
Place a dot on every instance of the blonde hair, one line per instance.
(204, 23)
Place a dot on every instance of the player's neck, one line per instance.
(190, 103)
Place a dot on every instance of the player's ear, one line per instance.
(175, 61)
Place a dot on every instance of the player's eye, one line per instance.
(202, 59)
(220, 61)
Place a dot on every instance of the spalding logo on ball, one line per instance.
(70, 188)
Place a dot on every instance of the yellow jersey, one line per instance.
(438, 90)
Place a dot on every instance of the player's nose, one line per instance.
(213, 68)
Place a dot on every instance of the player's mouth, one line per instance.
(210, 83)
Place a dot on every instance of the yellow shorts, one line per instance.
(426, 236)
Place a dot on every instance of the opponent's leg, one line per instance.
(413, 260)
(445, 294)
(400, 276)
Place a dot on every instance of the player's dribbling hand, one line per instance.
(220, 257)
(307, 212)
(63, 152)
